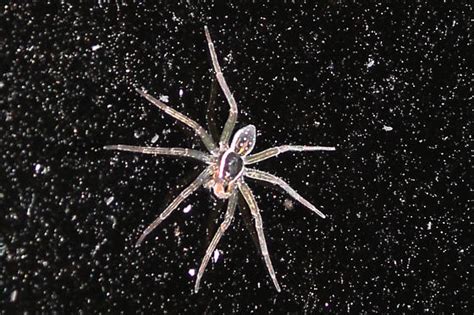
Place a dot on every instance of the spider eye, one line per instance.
(231, 166)
(244, 140)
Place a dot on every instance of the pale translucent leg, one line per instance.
(215, 240)
(250, 199)
(272, 179)
(211, 112)
(199, 181)
(200, 131)
(183, 152)
(268, 153)
(231, 120)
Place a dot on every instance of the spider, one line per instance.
(227, 168)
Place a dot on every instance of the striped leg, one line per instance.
(199, 181)
(250, 199)
(268, 153)
(272, 179)
(183, 152)
(231, 120)
(215, 240)
(200, 131)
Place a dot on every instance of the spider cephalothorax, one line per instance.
(227, 168)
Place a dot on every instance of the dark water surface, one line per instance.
(387, 85)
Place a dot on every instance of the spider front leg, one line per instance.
(231, 120)
(250, 199)
(268, 153)
(199, 181)
(215, 240)
(200, 131)
(272, 179)
(182, 152)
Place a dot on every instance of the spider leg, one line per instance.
(211, 111)
(215, 240)
(272, 179)
(268, 153)
(200, 131)
(183, 152)
(176, 202)
(250, 199)
(231, 120)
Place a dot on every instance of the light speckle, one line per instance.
(109, 200)
(164, 98)
(96, 47)
(113, 220)
(192, 272)
(13, 296)
(154, 139)
(387, 128)
(215, 256)
(38, 168)
(3, 247)
(370, 63)
(181, 92)
(187, 209)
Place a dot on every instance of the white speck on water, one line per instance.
(3, 247)
(38, 168)
(109, 200)
(387, 128)
(113, 220)
(187, 208)
(370, 63)
(137, 134)
(13, 296)
(429, 225)
(164, 98)
(96, 47)
(154, 139)
(192, 272)
(181, 92)
(30, 207)
(215, 255)
(96, 249)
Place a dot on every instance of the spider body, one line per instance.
(226, 171)
(230, 166)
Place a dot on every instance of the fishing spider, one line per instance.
(227, 166)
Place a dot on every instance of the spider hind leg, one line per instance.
(215, 240)
(199, 181)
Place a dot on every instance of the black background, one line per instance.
(388, 85)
